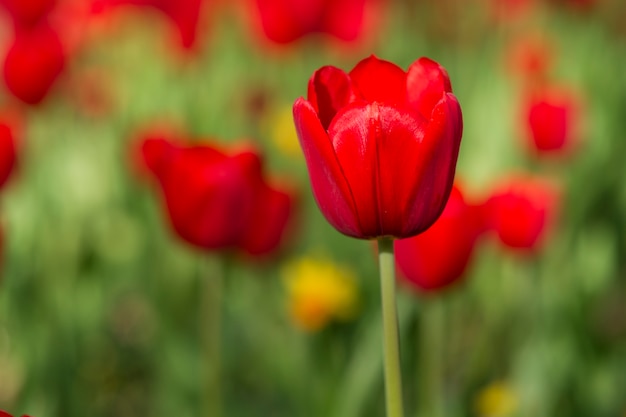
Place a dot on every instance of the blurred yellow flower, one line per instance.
(498, 399)
(319, 291)
(283, 132)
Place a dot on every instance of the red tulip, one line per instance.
(285, 21)
(520, 210)
(439, 256)
(530, 57)
(184, 14)
(27, 12)
(551, 114)
(381, 145)
(218, 201)
(33, 63)
(7, 151)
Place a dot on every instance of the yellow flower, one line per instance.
(498, 399)
(319, 291)
(283, 132)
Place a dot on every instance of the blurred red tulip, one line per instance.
(33, 63)
(520, 211)
(551, 115)
(530, 57)
(285, 21)
(8, 154)
(218, 201)
(381, 145)
(27, 13)
(185, 14)
(439, 256)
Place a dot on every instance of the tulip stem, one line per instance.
(211, 331)
(393, 377)
(430, 359)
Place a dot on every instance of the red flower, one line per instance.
(520, 210)
(33, 63)
(218, 201)
(285, 21)
(27, 12)
(184, 14)
(381, 145)
(7, 151)
(439, 256)
(550, 114)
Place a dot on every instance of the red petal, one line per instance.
(379, 80)
(269, 221)
(330, 188)
(378, 148)
(427, 81)
(344, 19)
(436, 165)
(330, 89)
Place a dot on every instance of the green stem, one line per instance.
(210, 334)
(393, 377)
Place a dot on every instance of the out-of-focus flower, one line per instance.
(8, 152)
(184, 14)
(216, 200)
(505, 11)
(551, 116)
(530, 57)
(5, 414)
(381, 145)
(26, 13)
(520, 211)
(439, 256)
(319, 292)
(498, 399)
(286, 21)
(33, 62)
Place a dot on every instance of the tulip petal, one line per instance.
(344, 19)
(379, 80)
(330, 89)
(426, 82)
(330, 188)
(438, 156)
(378, 147)
(269, 221)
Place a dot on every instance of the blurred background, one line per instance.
(107, 310)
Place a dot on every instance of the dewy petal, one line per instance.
(379, 80)
(330, 188)
(426, 83)
(330, 89)
(435, 171)
(376, 146)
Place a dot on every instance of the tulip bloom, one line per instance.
(28, 12)
(184, 14)
(381, 145)
(550, 114)
(439, 256)
(33, 63)
(520, 210)
(286, 21)
(218, 201)
(7, 152)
